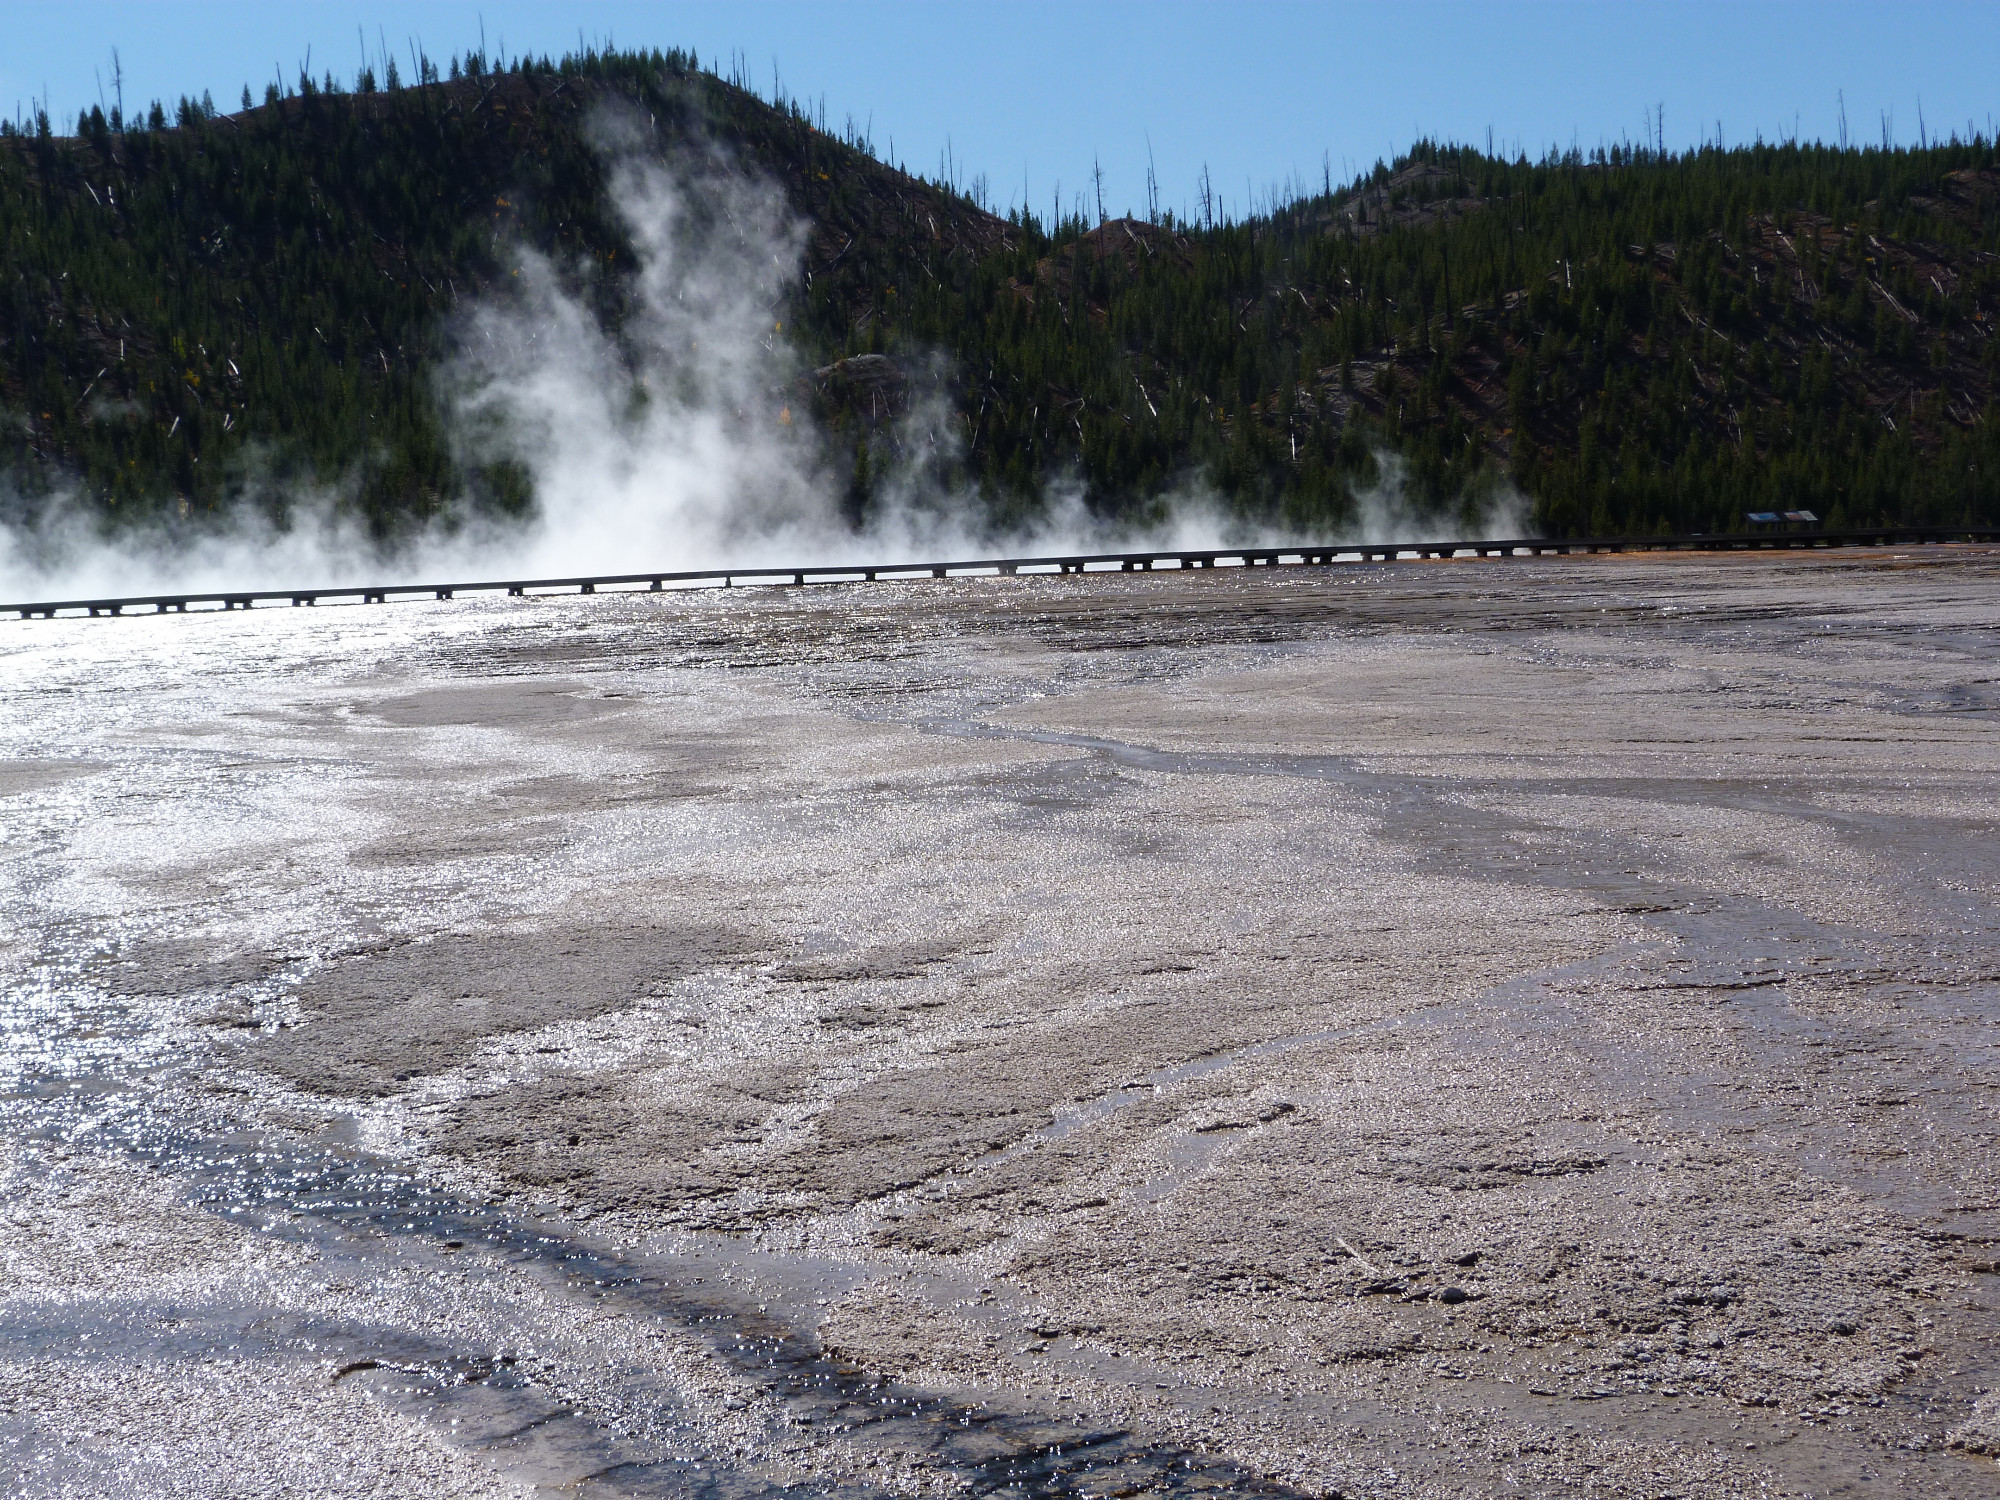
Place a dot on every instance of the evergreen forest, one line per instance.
(1636, 340)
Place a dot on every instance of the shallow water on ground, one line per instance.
(118, 1070)
(206, 817)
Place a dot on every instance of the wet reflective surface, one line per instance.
(1374, 1030)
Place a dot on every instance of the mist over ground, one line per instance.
(678, 439)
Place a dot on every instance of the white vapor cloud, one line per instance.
(678, 440)
(673, 444)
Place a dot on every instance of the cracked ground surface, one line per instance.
(1524, 1027)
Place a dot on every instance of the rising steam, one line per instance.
(671, 444)
(676, 441)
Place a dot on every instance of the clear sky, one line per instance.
(1033, 94)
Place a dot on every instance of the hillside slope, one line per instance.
(279, 283)
(1638, 342)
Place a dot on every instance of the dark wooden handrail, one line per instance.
(1312, 554)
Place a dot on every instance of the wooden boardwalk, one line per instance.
(1314, 555)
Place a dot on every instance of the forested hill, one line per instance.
(1639, 341)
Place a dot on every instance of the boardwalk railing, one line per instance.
(1314, 555)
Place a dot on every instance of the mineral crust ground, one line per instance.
(1520, 1027)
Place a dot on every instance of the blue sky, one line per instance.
(1033, 94)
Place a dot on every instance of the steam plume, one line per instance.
(676, 441)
